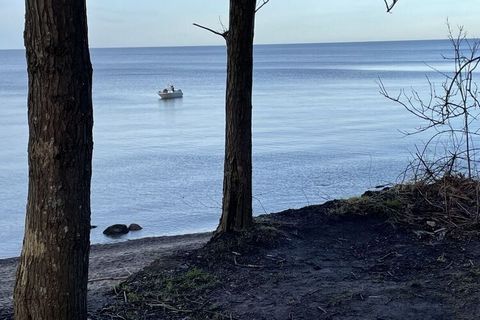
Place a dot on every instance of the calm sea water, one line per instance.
(320, 128)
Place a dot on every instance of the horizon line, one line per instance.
(261, 44)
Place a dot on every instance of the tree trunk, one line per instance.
(237, 181)
(53, 271)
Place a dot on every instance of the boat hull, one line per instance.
(171, 95)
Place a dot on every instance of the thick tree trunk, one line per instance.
(52, 275)
(237, 183)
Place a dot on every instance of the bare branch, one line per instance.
(451, 113)
(221, 34)
(264, 2)
(390, 5)
(224, 32)
(224, 29)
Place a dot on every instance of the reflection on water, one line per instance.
(171, 103)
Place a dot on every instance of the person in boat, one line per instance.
(172, 88)
(165, 90)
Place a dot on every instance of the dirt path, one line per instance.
(111, 262)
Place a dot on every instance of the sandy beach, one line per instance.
(110, 263)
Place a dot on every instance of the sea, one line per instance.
(321, 130)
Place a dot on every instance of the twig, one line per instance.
(255, 266)
(312, 292)
(167, 306)
(278, 260)
(264, 2)
(390, 5)
(221, 34)
(221, 23)
(305, 195)
(386, 256)
(321, 309)
(108, 278)
(261, 204)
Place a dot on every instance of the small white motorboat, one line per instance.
(170, 93)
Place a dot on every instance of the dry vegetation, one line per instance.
(448, 206)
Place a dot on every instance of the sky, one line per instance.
(152, 23)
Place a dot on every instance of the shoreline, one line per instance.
(341, 259)
(111, 263)
(127, 242)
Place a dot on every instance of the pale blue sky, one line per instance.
(127, 23)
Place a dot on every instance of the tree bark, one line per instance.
(53, 271)
(237, 181)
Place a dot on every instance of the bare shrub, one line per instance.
(450, 113)
(444, 184)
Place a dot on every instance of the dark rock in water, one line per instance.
(134, 227)
(116, 230)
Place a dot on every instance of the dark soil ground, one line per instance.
(310, 264)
